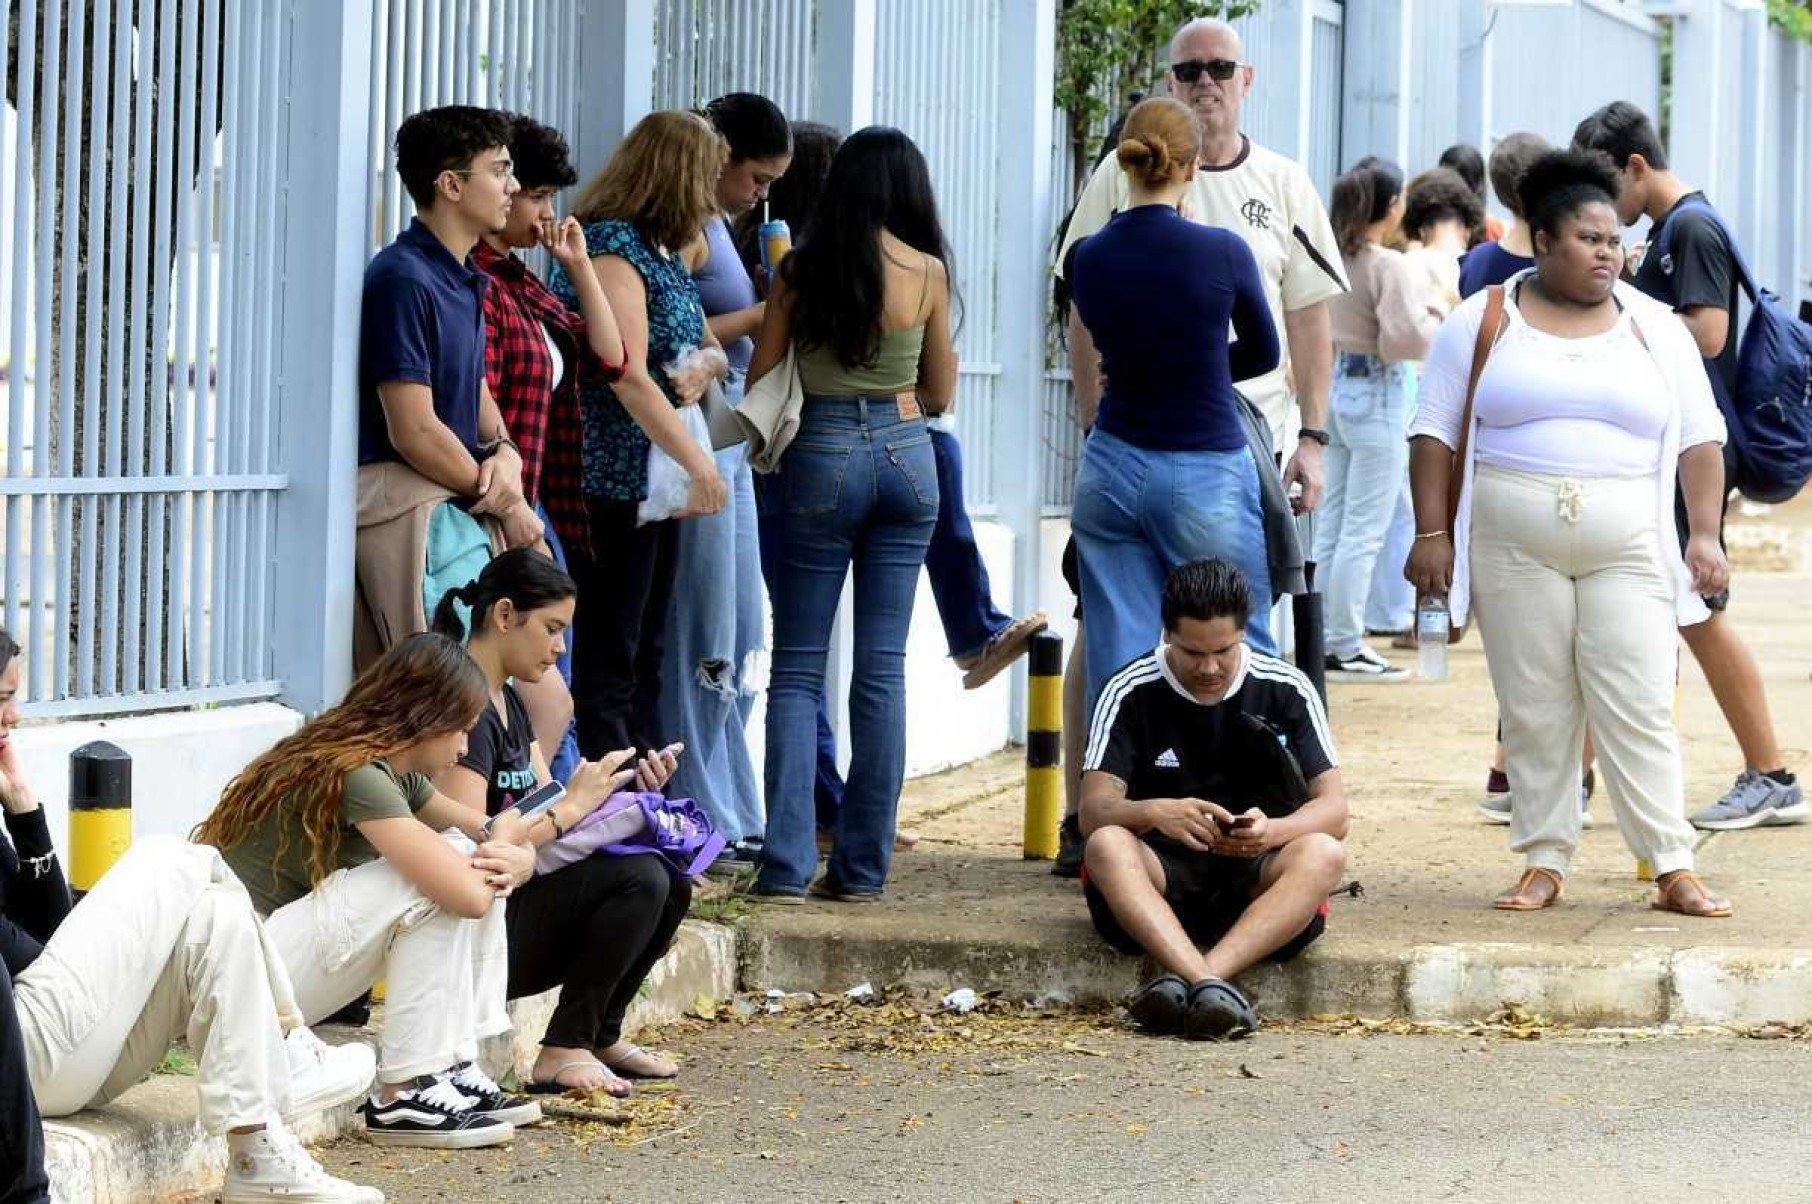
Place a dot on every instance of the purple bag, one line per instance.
(627, 823)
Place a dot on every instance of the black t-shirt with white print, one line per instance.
(1152, 734)
(500, 755)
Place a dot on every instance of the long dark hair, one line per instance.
(1362, 196)
(526, 577)
(9, 648)
(793, 199)
(752, 124)
(878, 182)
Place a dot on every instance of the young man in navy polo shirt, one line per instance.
(423, 398)
(1213, 807)
(1696, 273)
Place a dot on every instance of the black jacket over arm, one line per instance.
(34, 898)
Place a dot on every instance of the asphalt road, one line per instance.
(831, 1107)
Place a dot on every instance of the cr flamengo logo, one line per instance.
(1257, 213)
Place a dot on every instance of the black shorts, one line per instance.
(1683, 528)
(1207, 892)
(1072, 573)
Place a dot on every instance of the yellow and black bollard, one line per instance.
(1044, 745)
(100, 812)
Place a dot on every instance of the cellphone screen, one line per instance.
(532, 804)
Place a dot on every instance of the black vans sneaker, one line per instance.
(1363, 665)
(433, 1114)
(492, 1101)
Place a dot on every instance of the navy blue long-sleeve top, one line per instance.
(34, 898)
(1160, 295)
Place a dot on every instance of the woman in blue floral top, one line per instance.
(640, 212)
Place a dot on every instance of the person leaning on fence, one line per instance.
(1568, 438)
(536, 350)
(594, 927)
(363, 871)
(1691, 265)
(1167, 474)
(1213, 806)
(429, 429)
(861, 312)
(640, 212)
(166, 947)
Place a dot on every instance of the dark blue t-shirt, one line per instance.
(1488, 264)
(422, 323)
(1157, 293)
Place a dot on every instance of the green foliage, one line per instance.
(1793, 16)
(1109, 49)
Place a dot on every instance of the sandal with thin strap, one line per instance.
(613, 1084)
(631, 1053)
(1685, 893)
(1522, 897)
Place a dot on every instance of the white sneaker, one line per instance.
(1363, 665)
(272, 1165)
(323, 1076)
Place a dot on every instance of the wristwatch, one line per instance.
(1313, 432)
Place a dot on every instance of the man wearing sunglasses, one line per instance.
(1270, 202)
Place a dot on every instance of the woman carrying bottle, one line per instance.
(864, 301)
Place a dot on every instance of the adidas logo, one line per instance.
(1167, 759)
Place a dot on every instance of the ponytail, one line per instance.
(446, 620)
(526, 577)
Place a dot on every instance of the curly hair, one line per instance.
(1437, 195)
(1561, 182)
(661, 179)
(425, 686)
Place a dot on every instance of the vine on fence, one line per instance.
(1793, 16)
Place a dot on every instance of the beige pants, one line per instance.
(1577, 614)
(445, 977)
(165, 946)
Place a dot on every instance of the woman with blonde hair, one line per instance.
(640, 213)
(1167, 474)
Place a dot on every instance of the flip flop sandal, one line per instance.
(1003, 650)
(1702, 905)
(620, 1067)
(1161, 1005)
(1517, 899)
(1218, 1012)
(554, 1086)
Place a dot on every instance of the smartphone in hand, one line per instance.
(531, 806)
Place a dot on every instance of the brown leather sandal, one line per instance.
(1524, 896)
(1683, 893)
(1007, 646)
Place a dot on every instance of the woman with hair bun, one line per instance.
(1167, 475)
(1591, 398)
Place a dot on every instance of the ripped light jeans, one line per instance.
(712, 668)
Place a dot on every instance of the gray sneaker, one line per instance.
(1496, 804)
(1754, 800)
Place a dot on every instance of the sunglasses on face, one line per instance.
(1218, 70)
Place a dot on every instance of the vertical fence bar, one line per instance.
(118, 239)
(207, 390)
(396, 204)
(186, 370)
(22, 369)
(84, 555)
(142, 335)
(235, 314)
(255, 621)
(139, 658)
(69, 231)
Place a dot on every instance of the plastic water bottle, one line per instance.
(1432, 627)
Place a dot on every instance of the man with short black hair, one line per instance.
(1213, 806)
(1691, 265)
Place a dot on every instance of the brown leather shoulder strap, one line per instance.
(1491, 329)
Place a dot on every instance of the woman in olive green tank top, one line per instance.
(865, 303)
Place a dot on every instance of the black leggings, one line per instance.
(22, 1178)
(594, 929)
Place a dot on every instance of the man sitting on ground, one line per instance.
(1213, 808)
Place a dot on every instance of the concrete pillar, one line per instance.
(616, 77)
(844, 62)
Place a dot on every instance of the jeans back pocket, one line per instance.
(811, 476)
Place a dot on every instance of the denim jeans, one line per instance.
(714, 626)
(1367, 457)
(563, 758)
(858, 485)
(959, 579)
(1391, 605)
(1138, 514)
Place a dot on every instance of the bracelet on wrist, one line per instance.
(1430, 534)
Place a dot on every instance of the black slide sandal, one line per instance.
(1218, 1012)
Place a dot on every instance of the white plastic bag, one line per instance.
(668, 483)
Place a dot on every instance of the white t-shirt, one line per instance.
(1269, 201)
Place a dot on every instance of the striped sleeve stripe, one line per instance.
(1271, 669)
(1107, 707)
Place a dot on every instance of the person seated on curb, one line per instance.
(594, 927)
(165, 947)
(343, 843)
(1213, 809)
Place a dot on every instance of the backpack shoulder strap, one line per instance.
(1491, 329)
(1745, 277)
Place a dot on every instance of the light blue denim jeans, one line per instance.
(1366, 460)
(1391, 605)
(858, 486)
(713, 628)
(1138, 514)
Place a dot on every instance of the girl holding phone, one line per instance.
(596, 927)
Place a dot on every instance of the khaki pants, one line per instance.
(1577, 613)
(445, 977)
(165, 946)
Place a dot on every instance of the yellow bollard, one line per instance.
(100, 812)
(1044, 746)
